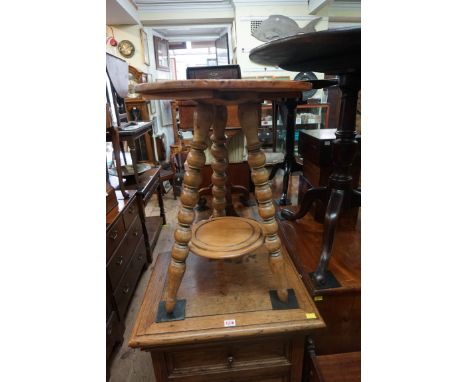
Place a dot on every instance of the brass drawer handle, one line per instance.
(114, 234)
(120, 261)
(230, 360)
(126, 290)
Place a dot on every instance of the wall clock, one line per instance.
(126, 48)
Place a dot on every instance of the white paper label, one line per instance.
(229, 323)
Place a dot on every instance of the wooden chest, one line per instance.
(263, 345)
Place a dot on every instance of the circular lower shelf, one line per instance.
(127, 170)
(226, 237)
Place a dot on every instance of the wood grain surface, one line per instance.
(222, 91)
(236, 289)
(226, 237)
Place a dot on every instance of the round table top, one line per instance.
(225, 91)
(335, 51)
(226, 237)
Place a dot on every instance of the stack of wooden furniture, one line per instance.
(238, 311)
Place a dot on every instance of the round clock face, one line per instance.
(126, 48)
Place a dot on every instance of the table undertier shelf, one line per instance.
(226, 237)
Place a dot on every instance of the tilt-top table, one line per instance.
(332, 52)
(223, 237)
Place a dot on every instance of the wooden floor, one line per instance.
(131, 365)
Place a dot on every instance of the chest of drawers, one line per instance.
(125, 260)
(260, 344)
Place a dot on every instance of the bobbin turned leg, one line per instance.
(203, 119)
(248, 118)
(220, 161)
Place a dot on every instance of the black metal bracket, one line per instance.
(177, 314)
(277, 304)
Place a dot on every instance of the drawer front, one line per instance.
(114, 333)
(121, 258)
(243, 357)
(127, 284)
(130, 213)
(114, 236)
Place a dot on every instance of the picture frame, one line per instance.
(161, 53)
(144, 43)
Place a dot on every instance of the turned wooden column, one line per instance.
(220, 161)
(203, 119)
(248, 118)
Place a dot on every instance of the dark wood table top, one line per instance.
(223, 91)
(333, 51)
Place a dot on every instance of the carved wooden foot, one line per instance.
(248, 117)
(203, 119)
(311, 195)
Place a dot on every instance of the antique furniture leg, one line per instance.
(116, 147)
(329, 228)
(248, 118)
(162, 213)
(133, 154)
(203, 119)
(344, 150)
(311, 195)
(220, 161)
(123, 152)
(289, 165)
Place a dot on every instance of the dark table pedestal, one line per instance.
(332, 52)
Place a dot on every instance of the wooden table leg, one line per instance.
(203, 119)
(248, 118)
(220, 161)
(131, 145)
(162, 212)
(331, 220)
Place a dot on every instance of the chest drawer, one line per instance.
(119, 261)
(114, 236)
(267, 358)
(114, 333)
(127, 284)
(130, 213)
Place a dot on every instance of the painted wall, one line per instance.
(131, 33)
